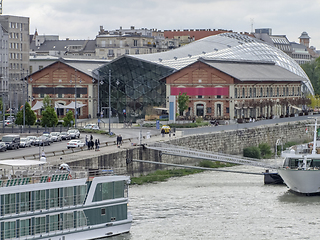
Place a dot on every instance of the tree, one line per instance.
(49, 117)
(183, 100)
(30, 116)
(47, 102)
(312, 69)
(67, 119)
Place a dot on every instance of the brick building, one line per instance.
(64, 82)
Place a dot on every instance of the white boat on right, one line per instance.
(301, 167)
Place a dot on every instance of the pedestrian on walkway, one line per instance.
(162, 132)
(118, 141)
(96, 144)
(86, 140)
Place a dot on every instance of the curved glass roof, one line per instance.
(232, 46)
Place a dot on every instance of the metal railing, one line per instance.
(212, 156)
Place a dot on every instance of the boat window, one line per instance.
(81, 219)
(68, 221)
(10, 229)
(39, 199)
(25, 227)
(40, 225)
(9, 203)
(54, 223)
(53, 197)
(24, 201)
(119, 189)
(107, 190)
(81, 194)
(68, 196)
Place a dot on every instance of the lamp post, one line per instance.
(109, 100)
(24, 103)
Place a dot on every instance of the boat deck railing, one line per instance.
(10, 177)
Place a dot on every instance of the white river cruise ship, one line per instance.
(59, 204)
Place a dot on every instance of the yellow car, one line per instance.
(166, 129)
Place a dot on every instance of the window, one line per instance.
(39, 199)
(103, 211)
(137, 51)
(135, 43)
(218, 96)
(283, 92)
(40, 67)
(68, 221)
(110, 52)
(59, 95)
(243, 93)
(199, 96)
(292, 91)
(277, 92)
(208, 109)
(261, 92)
(254, 92)
(40, 225)
(267, 92)
(9, 230)
(54, 223)
(250, 92)
(227, 110)
(287, 94)
(25, 227)
(53, 198)
(67, 196)
(24, 201)
(10, 203)
(271, 92)
(235, 92)
(127, 51)
(41, 95)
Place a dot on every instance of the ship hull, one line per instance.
(301, 181)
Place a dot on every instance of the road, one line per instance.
(58, 146)
(191, 131)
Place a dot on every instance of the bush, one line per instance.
(265, 150)
(252, 152)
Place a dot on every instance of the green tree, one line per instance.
(68, 118)
(49, 117)
(47, 102)
(183, 100)
(312, 69)
(30, 116)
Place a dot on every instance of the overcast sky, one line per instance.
(81, 19)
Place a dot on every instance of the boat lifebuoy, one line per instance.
(49, 179)
(69, 176)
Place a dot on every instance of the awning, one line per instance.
(38, 105)
(72, 105)
(20, 162)
(58, 105)
(299, 109)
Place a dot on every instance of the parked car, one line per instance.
(48, 136)
(166, 129)
(3, 147)
(32, 139)
(91, 126)
(25, 142)
(55, 136)
(42, 141)
(8, 122)
(75, 144)
(65, 136)
(74, 133)
(12, 141)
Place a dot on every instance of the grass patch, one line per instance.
(163, 175)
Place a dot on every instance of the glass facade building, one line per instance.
(139, 81)
(135, 86)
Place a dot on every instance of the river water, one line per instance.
(221, 205)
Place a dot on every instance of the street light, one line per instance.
(109, 100)
(75, 98)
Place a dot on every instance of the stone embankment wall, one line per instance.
(229, 142)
